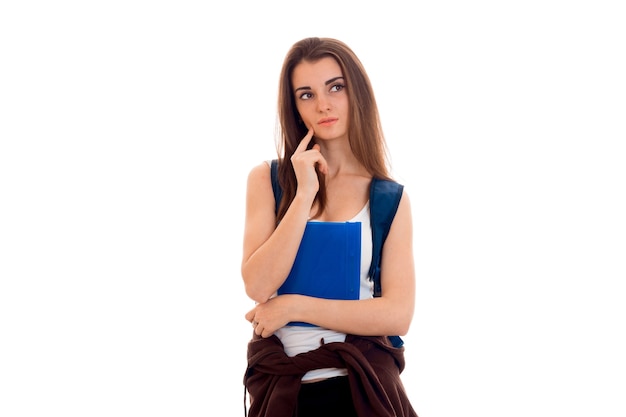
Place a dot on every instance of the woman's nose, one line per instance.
(323, 103)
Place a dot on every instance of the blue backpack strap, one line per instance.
(278, 192)
(385, 198)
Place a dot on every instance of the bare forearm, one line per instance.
(267, 268)
(371, 317)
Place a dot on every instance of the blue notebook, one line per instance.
(328, 263)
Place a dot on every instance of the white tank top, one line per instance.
(299, 339)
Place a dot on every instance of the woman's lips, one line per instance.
(327, 121)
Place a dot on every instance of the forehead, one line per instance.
(315, 73)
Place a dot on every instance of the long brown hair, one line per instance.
(365, 131)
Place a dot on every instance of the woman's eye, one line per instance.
(337, 87)
(305, 96)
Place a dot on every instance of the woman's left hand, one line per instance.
(271, 315)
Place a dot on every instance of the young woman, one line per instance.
(331, 149)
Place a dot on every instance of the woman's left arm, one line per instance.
(389, 314)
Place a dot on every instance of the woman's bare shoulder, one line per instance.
(259, 173)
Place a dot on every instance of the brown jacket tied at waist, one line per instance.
(273, 379)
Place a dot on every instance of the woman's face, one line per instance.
(321, 98)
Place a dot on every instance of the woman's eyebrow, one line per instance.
(306, 87)
(332, 80)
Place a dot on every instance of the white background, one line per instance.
(127, 131)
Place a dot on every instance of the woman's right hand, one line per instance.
(304, 162)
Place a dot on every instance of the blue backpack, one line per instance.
(384, 201)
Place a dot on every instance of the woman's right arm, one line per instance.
(269, 251)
